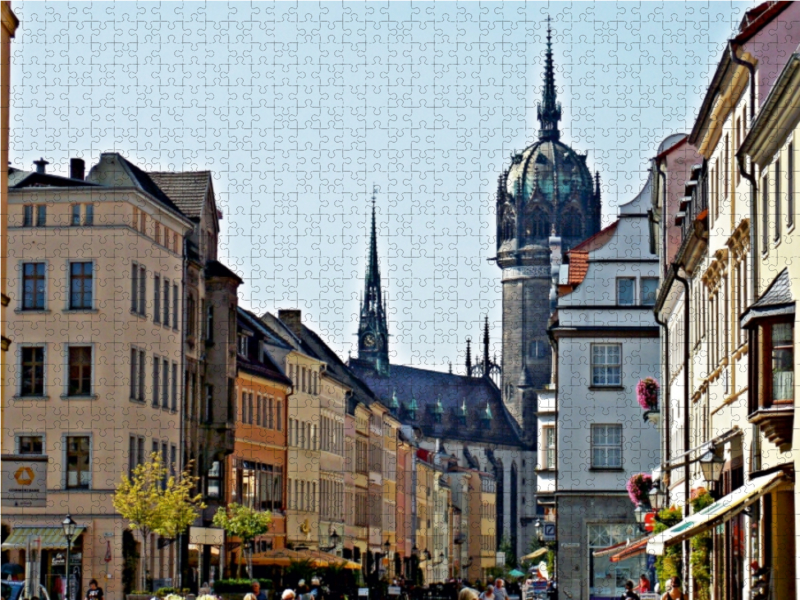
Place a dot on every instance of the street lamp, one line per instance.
(70, 527)
(712, 465)
(539, 530)
(657, 496)
(640, 514)
(334, 539)
(426, 555)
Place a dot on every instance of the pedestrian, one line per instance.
(500, 590)
(674, 591)
(316, 589)
(468, 594)
(249, 596)
(629, 593)
(488, 593)
(94, 592)
(256, 587)
(644, 584)
(288, 595)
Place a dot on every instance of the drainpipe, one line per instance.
(665, 384)
(749, 176)
(182, 406)
(686, 421)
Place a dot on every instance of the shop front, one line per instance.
(53, 567)
(607, 578)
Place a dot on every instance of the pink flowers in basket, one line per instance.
(647, 393)
(639, 487)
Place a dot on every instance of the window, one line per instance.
(80, 371)
(137, 374)
(210, 324)
(27, 215)
(37, 210)
(175, 306)
(625, 291)
(279, 415)
(157, 233)
(191, 316)
(156, 379)
(606, 364)
(242, 347)
(209, 406)
(174, 390)
(213, 479)
(138, 288)
(32, 383)
(76, 214)
(781, 344)
(549, 447)
(790, 187)
(649, 289)
(764, 214)
(165, 384)
(80, 285)
(606, 446)
(777, 200)
(166, 302)
(31, 444)
(156, 298)
(88, 214)
(538, 349)
(78, 462)
(33, 286)
(135, 452)
(258, 410)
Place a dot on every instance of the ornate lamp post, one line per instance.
(70, 527)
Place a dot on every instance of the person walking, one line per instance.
(674, 591)
(644, 584)
(94, 592)
(255, 586)
(629, 593)
(488, 593)
(500, 592)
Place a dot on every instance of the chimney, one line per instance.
(77, 168)
(293, 319)
(40, 165)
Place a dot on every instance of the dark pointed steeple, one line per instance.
(549, 113)
(373, 332)
(469, 358)
(486, 346)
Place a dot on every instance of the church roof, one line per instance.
(487, 419)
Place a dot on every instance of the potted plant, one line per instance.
(647, 396)
(639, 487)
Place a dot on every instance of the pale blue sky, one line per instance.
(299, 108)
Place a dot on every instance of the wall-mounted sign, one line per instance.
(24, 481)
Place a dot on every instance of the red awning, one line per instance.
(634, 549)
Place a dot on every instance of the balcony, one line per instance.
(775, 422)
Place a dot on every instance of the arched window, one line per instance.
(571, 224)
(539, 224)
(507, 225)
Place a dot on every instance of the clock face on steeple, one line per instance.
(369, 340)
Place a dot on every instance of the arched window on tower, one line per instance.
(507, 225)
(539, 224)
(571, 224)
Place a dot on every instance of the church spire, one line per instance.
(486, 346)
(469, 358)
(372, 330)
(549, 112)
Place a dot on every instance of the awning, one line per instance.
(52, 538)
(535, 554)
(283, 557)
(719, 512)
(610, 549)
(635, 549)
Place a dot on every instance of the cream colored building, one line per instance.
(94, 374)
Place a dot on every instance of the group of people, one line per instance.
(303, 591)
(673, 592)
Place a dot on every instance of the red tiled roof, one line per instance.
(579, 257)
(578, 266)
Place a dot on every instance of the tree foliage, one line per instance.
(152, 501)
(244, 523)
(668, 565)
(701, 544)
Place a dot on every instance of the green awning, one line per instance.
(52, 538)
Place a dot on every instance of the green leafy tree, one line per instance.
(700, 560)
(244, 523)
(668, 565)
(511, 556)
(153, 502)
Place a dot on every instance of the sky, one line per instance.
(299, 109)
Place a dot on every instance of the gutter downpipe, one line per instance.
(665, 380)
(749, 176)
(686, 422)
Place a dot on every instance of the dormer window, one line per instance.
(242, 346)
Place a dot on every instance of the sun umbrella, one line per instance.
(535, 554)
(516, 573)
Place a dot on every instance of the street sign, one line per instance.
(549, 532)
(24, 481)
(393, 590)
(207, 536)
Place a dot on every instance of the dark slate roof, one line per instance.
(779, 292)
(144, 181)
(214, 268)
(268, 368)
(22, 179)
(187, 189)
(440, 398)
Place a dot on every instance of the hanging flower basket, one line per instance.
(639, 487)
(647, 393)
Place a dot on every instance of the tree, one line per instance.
(151, 502)
(244, 523)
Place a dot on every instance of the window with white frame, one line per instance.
(649, 288)
(606, 365)
(78, 473)
(606, 446)
(549, 447)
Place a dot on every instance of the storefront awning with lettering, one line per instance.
(722, 510)
(52, 538)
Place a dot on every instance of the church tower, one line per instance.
(547, 192)
(373, 334)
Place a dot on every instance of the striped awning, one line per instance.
(52, 538)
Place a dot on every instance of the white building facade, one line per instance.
(606, 342)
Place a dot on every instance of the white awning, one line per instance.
(722, 510)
